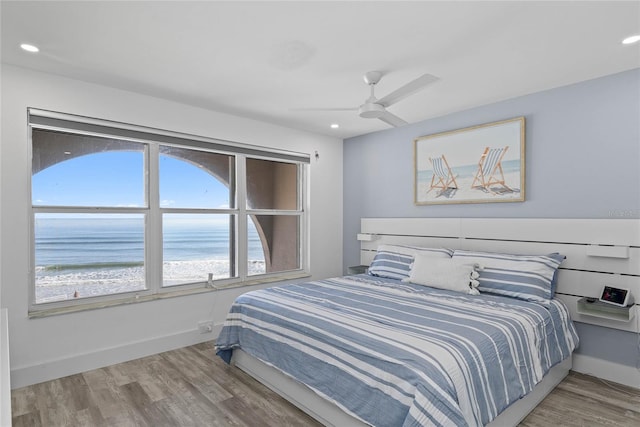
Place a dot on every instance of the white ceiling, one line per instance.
(265, 59)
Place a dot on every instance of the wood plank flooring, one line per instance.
(585, 401)
(192, 387)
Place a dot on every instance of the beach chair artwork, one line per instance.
(490, 174)
(442, 177)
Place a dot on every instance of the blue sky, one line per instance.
(117, 179)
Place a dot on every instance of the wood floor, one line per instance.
(192, 387)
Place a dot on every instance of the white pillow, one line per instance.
(441, 273)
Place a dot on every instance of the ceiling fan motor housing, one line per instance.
(371, 110)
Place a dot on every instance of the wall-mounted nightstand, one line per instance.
(357, 269)
(595, 308)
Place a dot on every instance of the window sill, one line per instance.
(47, 312)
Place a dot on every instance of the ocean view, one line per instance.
(98, 256)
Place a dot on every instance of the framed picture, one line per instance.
(479, 164)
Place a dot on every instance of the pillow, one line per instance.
(451, 274)
(526, 277)
(394, 261)
(554, 282)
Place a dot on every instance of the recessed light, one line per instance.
(29, 47)
(334, 126)
(631, 39)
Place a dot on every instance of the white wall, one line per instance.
(56, 346)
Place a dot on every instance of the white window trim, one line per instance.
(42, 119)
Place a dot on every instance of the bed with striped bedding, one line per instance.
(398, 354)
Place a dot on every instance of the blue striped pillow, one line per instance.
(526, 277)
(394, 261)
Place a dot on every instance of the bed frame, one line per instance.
(599, 251)
(331, 415)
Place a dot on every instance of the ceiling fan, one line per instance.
(374, 108)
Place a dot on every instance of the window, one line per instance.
(122, 211)
(273, 201)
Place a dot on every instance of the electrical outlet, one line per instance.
(205, 327)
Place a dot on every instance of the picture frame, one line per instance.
(477, 164)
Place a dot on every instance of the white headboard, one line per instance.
(598, 251)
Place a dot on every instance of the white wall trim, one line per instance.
(5, 376)
(610, 371)
(75, 364)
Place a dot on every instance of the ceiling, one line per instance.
(264, 60)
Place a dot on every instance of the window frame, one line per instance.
(153, 212)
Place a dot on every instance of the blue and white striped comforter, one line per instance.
(398, 354)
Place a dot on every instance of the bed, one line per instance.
(597, 251)
(389, 352)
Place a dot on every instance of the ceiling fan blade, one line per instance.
(408, 89)
(324, 109)
(392, 119)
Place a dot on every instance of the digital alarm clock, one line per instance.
(616, 296)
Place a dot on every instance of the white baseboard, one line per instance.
(610, 371)
(75, 364)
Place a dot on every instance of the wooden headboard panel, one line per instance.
(598, 251)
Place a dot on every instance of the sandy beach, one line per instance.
(108, 281)
(464, 192)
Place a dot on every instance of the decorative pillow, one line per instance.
(394, 261)
(527, 277)
(451, 274)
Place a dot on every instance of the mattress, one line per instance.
(398, 354)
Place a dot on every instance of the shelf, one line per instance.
(604, 310)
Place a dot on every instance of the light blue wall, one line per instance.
(582, 161)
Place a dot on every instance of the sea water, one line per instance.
(105, 255)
